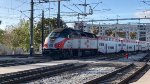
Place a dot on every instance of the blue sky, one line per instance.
(11, 11)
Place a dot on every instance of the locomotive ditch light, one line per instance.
(68, 36)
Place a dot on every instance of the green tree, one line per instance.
(133, 35)
(18, 36)
(21, 35)
(1, 35)
(49, 25)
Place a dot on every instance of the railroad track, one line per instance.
(18, 62)
(22, 76)
(120, 76)
(145, 59)
(81, 75)
(123, 75)
(21, 55)
(110, 57)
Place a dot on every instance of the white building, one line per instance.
(142, 31)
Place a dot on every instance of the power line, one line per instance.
(96, 5)
(78, 8)
(58, 13)
(112, 20)
(23, 3)
(70, 8)
(146, 2)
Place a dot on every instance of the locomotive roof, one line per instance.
(58, 30)
(73, 30)
(61, 29)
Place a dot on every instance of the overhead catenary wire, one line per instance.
(70, 8)
(13, 10)
(78, 8)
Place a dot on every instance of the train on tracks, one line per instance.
(67, 42)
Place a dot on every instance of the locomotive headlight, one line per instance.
(45, 46)
(58, 45)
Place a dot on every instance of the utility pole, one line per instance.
(78, 17)
(85, 5)
(42, 30)
(31, 29)
(58, 15)
(117, 19)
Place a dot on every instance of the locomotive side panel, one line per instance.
(84, 43)
(68, 44)
(76, 43)
(101, 46)
(93, 43)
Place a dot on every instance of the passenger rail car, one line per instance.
(66, 42)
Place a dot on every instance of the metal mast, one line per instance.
(42, 30)
(58, 15)
(31, 29)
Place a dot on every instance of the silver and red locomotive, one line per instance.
(69, 42)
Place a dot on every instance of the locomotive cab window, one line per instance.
(66, 33)
(83, 35)
(94, 36)
(74, 34)
(89, 35)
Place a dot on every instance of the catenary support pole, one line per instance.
(42, 30)
(58, 15)
(31, 29)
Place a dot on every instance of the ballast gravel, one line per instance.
(78, 76)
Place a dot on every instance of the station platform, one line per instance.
(145, 79)
(11, 69)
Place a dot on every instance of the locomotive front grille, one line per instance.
(51, 44)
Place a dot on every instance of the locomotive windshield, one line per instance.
(60, 33)
(54, 34)
(64, 33)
